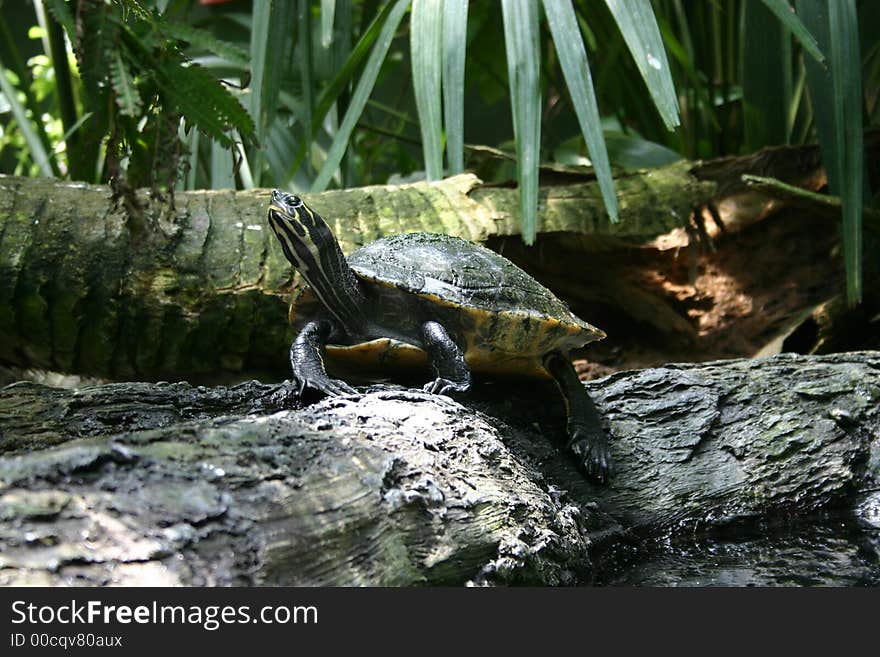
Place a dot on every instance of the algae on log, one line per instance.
(199, 289)
(173, 484)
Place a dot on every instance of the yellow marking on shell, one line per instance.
(548, 333)
(384, 354)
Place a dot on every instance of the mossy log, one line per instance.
(170, 484)
(199, 288)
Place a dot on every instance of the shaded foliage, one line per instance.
(345, 94)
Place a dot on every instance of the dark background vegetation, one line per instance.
(178, 94)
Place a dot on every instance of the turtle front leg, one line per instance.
(307, 360)
(446, 359)
(585, 435)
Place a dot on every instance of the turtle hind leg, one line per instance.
(307, 360)
(447, 361)
(585, 435)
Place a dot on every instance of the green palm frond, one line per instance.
(573, 58)
(361, 95)
(40, 157)
(454, 47)
(426, 54)
(836, 95)
(790, 20)
(328, 16)
(523, 67)
(638, 25)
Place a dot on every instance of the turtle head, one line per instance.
(284, 206)
(306, 239)
(311, 247)
(288, 212)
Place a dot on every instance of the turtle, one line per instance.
(433, 299)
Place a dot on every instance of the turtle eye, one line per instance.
(284, 200)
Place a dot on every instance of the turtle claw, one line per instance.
(441, 386)
(327, 386)
(591, 450)
(337, 388)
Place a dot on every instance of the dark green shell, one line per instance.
(459, 273)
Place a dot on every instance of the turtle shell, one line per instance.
(502, 317)
(458, 272)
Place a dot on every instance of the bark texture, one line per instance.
(175, 484)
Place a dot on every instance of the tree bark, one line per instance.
(168, 484)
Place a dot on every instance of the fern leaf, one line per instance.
(127, 97)
(206, 41)
(129, 8)
(205, 102)
(93, 53)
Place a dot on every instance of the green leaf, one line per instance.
(204, 101)
(523, 68)
(260, 76)
(192, 172)
(360, 96)
(305, 61)
(336, 87)
(426, 29)
(783, 11)
(35, 146)
(573, 58)
(630, 152)
(637, 24)
(454, 46)
(206, 41)
(93, 52)
(61, 12)
(359, 53)
(127, 97)
(67, 105)
(836, 94)
(270, 47)
(766, 78)
(222, 174)
(328, 14)
(846, 81)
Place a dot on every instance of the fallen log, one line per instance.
(199, 288)
(171, 484)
